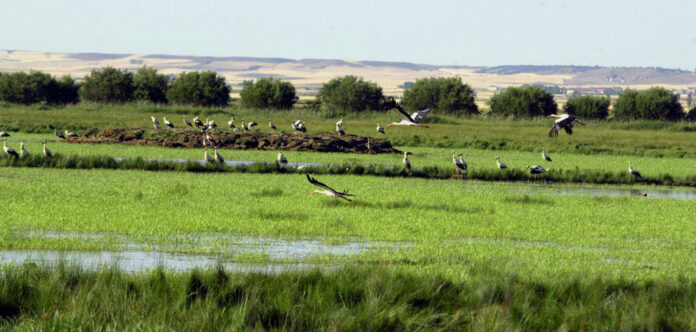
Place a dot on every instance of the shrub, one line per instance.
(67, 91)
(107, 85)
(527, 101)
(656, 103)
(447, 95)
(23, 88)
(268, 93)
(352, 94)
(588, 107)
(200, 89)
(148, 85)
(691, 116)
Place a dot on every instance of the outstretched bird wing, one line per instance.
(319, 184)
(420, 115)
(403, 112)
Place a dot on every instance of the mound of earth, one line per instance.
(321, 142)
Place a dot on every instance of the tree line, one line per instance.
(343, 94)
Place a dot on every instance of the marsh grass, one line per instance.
(352, 298)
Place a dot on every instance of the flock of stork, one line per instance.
(563, 121)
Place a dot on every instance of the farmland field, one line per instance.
(501, 243)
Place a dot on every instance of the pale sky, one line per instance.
(486, 32)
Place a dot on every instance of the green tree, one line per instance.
(23, 88)
(446, 95)
(107, 85)
(588, 107)
(150, 86)
(268, 93)
(199, 88)
(67, 91)
(691, 116)
(656, 103)
(527, 101)
(351, 93)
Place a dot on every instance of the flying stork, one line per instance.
(415, 119)
(46, 151)
(328, 191)
(70, 134)
(187, 122)
(499, 163)
(58, 134)
(564, 121)
(633, 172)
(545, 155)
(459, 164)
(155, 122)
(536, 169)
(407, 163)
(168, 123)
(8, 150)
(281, 159)
(23, 153)
(380, 129)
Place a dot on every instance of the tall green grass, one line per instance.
(356, 298)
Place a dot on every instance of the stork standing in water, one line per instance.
(187, 122)
(4, 134)
(415, 119)
(231, 123)
(328, 191)
(536, 169)
(460, 165)
(380, 129)
(281, 159)
(271, 125)
(499, 163)
(207, 157)
(545, 155)
(633, 172)
(197, 122)
(155, 122)
(70, 134)
(23, 153)
(168, 123)
(407, 163)
(8, 150)
(46, 152)
(564, 121)
(218, 157)
(58, 134)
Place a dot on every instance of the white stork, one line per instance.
(207, 157)
(281, 159)
(271, 125)
(231, 123)
(460, 165)
(407, 163)
(251, 125)
(340, 122)
(415, 119)
(168, 123)
(197, 122)
(545, 155)
(187, 122)
(46, 152)
(339, 130)
(212, 124)
(70, 134)
(218, 157)
(536, 169)
(210, 139)
(499, 163)
(328, 191)
(564, 121)
(155, 122)
(633, 172)
(380, 129)
(8, 150)
(58, 134)
(4, 134)
(299, 126)
(23, 153)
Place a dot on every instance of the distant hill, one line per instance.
(308, 74)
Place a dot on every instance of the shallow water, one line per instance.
(138, 261)
(605, 190)
(227, 162)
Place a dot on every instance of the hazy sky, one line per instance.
(605, 32)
